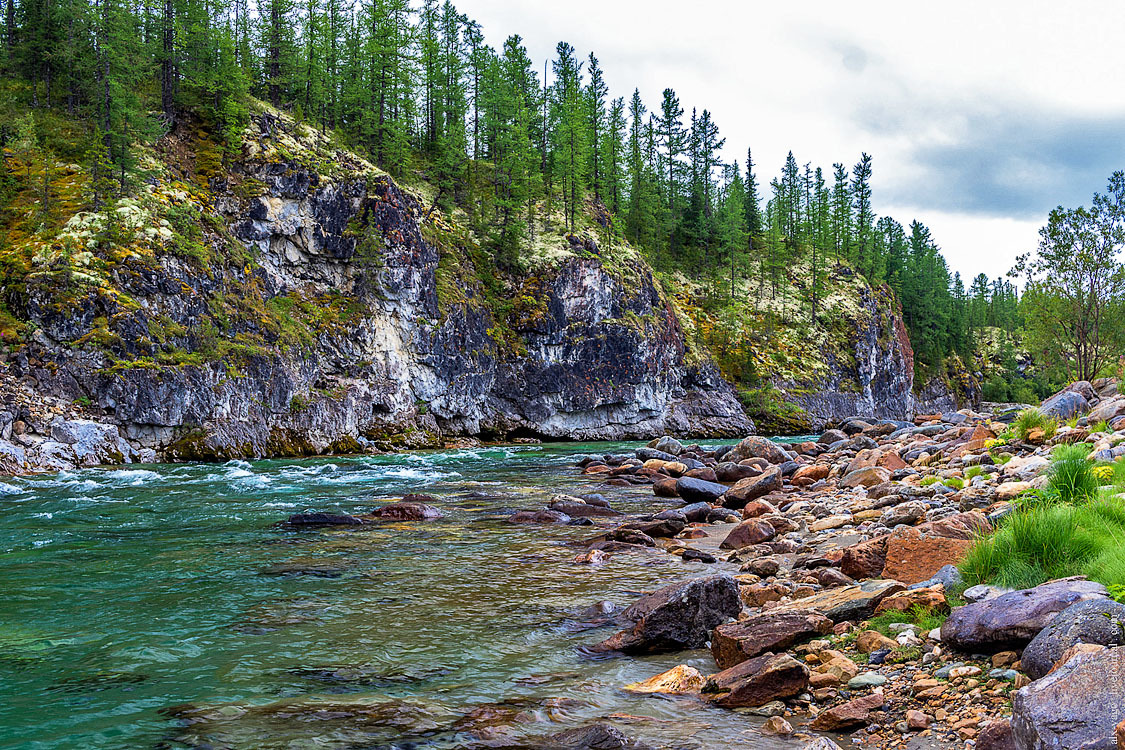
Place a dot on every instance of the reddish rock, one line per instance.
(665, 488)
(891, 460)
(864, 560)
(814, 472)
(748, 533)
(780, 523)
(913, 558)
(997, 735)
(960, 526)
(407, 511)
(707, 474)
(865, 459)
(757, 681)
(752, 488)
(538, 516)
(853, 713)
(736, 642)
(757, 594)
(756, 508)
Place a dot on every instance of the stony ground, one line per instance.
(842, 554)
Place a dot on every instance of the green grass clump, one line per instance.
(1071, 476)
(973, 472)
(1031, 419)
(928, 480)
(1102, 426)
(955, 483)
(926, 619)
(1052, 540)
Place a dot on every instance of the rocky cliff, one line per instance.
(299, 301)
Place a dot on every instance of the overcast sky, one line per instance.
(981, 116)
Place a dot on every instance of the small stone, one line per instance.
(778, 726)
(866, 680)
(917, 721)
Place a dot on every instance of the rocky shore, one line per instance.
(837, 608)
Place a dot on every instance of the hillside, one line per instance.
(295, 300)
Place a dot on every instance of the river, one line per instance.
(160, 606)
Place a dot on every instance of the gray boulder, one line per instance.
(695, 490)
(1064, 405)
(677, 617)
(1100, 621)
(1076, 707)
(1015, 618)
(668, 445)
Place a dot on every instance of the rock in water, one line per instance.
(676, 617)
(752, 488)
(594, 737)
(735, 642)
(757, 681)
(1075, 707)
(1014, 618)
(538, 516)
(1100, 621)
(406, 511)
(323, 519)
(679, 680)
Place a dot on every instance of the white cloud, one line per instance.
(981, 116)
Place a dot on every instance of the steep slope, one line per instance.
(298, 301)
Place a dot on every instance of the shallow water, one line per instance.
(130, 592)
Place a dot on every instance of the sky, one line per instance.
(981, 116)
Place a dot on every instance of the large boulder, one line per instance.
(1107, 410)
(1065, 404)
(1100, 621)
(736, 642)
(694, 490)
(1013, 619)
(757, 681)
(1076, 707)
(757, 447)
(752, 488)
(677, 617)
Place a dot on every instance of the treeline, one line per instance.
(416, 88)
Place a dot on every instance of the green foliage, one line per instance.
(1031, 419)
(929, 480)
(1070, 475)
(925, 618)
(972, 472)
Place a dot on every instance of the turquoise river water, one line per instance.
(160, 607)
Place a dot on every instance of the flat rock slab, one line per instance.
(856, 602)
(736, 642)
(1014, 618)
(757, 681)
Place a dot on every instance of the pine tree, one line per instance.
(670, 131)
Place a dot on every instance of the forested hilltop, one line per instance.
(509, 167)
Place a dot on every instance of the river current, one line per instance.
(161, 607)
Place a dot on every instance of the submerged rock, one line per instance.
(406, 511)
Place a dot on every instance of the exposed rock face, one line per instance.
(410, 347)
(876, 379)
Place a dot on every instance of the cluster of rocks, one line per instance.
(42, 434)
(813, 541)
